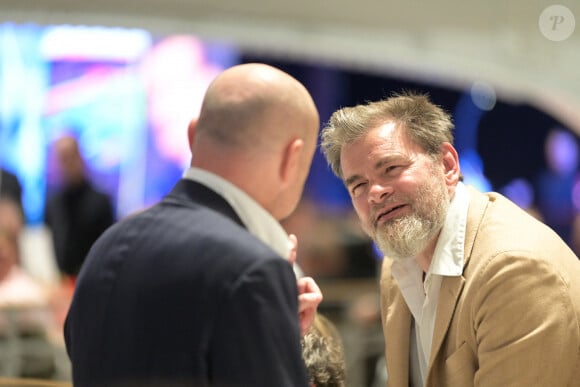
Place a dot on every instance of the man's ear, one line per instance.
(191, 133)
(450, 161)
(291, 161)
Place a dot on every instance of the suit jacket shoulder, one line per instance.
(183, 292)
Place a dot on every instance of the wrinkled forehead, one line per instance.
(385, 136)
(383, 142)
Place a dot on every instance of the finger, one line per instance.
(309, 301)
(309, 297)
(293, 244)
(307, 311)
(307, 285)
(306, 321)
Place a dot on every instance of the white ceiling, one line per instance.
(450, 42)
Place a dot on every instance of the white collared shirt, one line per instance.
(421, 296)
(257, 220)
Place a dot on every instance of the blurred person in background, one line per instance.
(16, 286)
(474, 290)
(25, 316)
(10, 187)
(77, 213)
(197, 289)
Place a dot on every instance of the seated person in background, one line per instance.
(10, 187)
(16, 286)
(25, 317)
(323, 354)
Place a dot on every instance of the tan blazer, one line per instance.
(511, 319)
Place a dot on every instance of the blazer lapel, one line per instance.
(397, 330)
(451, 287)
(449, 295)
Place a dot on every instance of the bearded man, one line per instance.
(474, 290)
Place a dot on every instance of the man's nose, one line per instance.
(378, 192)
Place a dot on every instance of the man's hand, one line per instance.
(309, 297)
(309, 294)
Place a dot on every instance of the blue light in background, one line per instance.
(90, 82)
(23, 82)
(480, 98)
(520, 191)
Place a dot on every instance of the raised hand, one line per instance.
(309, 294)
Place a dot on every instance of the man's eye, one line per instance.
(357, 189)
(391, 169)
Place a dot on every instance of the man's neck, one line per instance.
(425, 257)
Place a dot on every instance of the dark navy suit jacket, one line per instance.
(182, 294)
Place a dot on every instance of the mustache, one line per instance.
(378, 209)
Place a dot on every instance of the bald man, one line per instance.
(197, 290)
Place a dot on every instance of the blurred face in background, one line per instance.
(70, 163)
(8, 252)
(11, 225)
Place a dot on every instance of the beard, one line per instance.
(407, 236)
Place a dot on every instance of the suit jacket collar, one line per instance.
(187, 192)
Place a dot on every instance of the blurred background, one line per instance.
(126, 77)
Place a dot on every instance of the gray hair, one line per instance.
(425, 123)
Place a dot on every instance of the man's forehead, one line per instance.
(382, 136)
(387, 129)
(381, 145)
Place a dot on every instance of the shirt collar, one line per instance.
(449, 254)
(258, 221)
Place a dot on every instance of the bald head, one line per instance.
(258, 128)
(255, 106)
